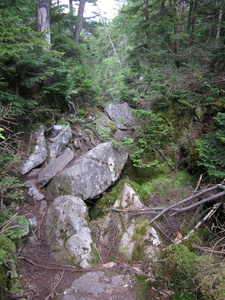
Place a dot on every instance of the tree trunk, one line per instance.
(79, 20)
(71, 6)
(219, 23)
(191, 16)
(178, 26)
(43, 18)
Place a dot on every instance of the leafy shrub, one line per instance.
(211, 149)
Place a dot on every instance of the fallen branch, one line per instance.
(220, 186)
(207, 217)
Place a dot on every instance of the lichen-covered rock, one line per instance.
(40, 152)
(67, 231)
(60, 138)
(121, 114)
(102, 285)
(92, 174)
(131, 236)
(33, 190)
(55, 166)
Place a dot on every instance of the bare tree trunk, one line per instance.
(178, 27)
(43, 18)
(191, 16)
(79, 20)
(71, 6)
(219, 24)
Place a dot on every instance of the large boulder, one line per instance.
(68, 232)
(102, 285)
(92, 174)
(121, 114)
(131, 236)
(40, 152)
(55, 166)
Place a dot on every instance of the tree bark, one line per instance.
(219, 23)
(71, 6)
(79, 20)
(191, 16)
(43, 18)
(178, 26)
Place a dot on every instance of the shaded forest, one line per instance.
(166, 59)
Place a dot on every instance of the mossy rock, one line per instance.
(101, 208)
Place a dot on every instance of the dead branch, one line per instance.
(219, 195)
(217, 186)
(207, 217)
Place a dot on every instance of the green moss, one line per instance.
(211, 277)
(95, 256)
(180, 267)
(200, 235)
(143, 287)
(179, 185)
(139, 251)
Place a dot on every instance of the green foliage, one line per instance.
(144, 286)
(170, 186)
(7, 249)
(211, 277)
(211, 149)
(11, 187)
(180, 267)
(12, 225)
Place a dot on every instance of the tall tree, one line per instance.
(80, 16)
(220, 15)
(43, 18)
(179, 9)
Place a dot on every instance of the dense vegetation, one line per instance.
(164, 58)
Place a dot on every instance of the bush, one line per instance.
(211, 149)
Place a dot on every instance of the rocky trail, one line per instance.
(65, 255)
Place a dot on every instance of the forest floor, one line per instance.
(42, 276)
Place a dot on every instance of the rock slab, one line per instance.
(40, 152)
(55, 166)
(102, 285)
(92, 174)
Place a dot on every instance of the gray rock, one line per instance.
(33, 190)
(102, 285)
(119, 135)
(120, 114)
(68, 232)
(92, 174)
(55, 166)
(61, 139)
(130, 234)
(40, 152)
(43, 207)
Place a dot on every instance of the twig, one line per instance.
(40, 225)
(197, 186)
(53, 290)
